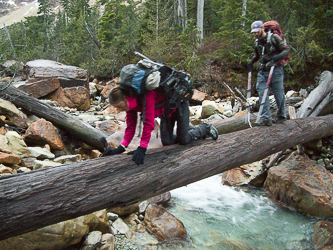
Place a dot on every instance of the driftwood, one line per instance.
(238, 123)
(77, 128)
(32, 200)
(317, 96)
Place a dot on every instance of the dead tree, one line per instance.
(32, 200)
(81, 130)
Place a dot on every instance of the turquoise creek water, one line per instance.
(219, 217)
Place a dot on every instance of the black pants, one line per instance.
(182, 116)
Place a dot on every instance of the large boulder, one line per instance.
(69, 76)
(43, 132)
(300, 183)
(162, 224)
(74, 97)
(40, 88)
(57, 236)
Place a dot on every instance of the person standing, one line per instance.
(269, 50)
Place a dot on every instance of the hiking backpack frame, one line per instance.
(273, 27)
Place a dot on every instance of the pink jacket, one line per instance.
(153, 97)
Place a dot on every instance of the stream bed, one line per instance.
(222, 217)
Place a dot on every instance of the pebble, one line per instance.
(122, 243)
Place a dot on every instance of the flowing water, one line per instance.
(222, 217)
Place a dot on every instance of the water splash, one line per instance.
(223, 217)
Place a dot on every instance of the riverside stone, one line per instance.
(5, 170)
(40, 153)
(3, 145)
(161, 199)
(103, 225)
(44, 164)
(124, 211)
(17, 144)
(162, 224)
(253, 174)
(40, 88)
(73, 97)
(323, 235)
(112, 216)
(15, 117)
(209, 108)
(43, 132)
(9, 158)
(67, 159)
(55, 237)
(302, 184)
(107, 242)
(69, 76)
(92, 241)
(108, 127)
(122, 228)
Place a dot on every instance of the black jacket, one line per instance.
(275, 48)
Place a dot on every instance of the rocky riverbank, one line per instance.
(30, 143)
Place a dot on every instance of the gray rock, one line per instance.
(92, 241)
(66, 159)
(45, 164)
(122, 228)
(40, 153)
(17, 144)
(112, 216)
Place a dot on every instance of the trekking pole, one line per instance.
(248, 96)
(265, 93)
(147, 59)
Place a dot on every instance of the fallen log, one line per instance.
(32, 200)
(81, 130)
(238, 123)
(317, 95)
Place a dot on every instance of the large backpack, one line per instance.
(273, 27)
(134, 80)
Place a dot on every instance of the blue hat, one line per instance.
(256, 26)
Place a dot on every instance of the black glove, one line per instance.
(109, 151)
(250, 65)
(138, 155)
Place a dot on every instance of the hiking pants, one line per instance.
(182, 117)
(278, 90)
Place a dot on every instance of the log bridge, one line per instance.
(36, 199)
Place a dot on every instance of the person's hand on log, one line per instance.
(109, 151)
(138, 155)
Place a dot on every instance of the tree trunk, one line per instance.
(32, 200)
(81, 130)
(200, 17)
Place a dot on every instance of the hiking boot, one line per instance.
(264, 123)
(210, 130)
(204, 129)
(279, 119)
(213, 133)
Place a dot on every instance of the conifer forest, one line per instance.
(210, 39)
